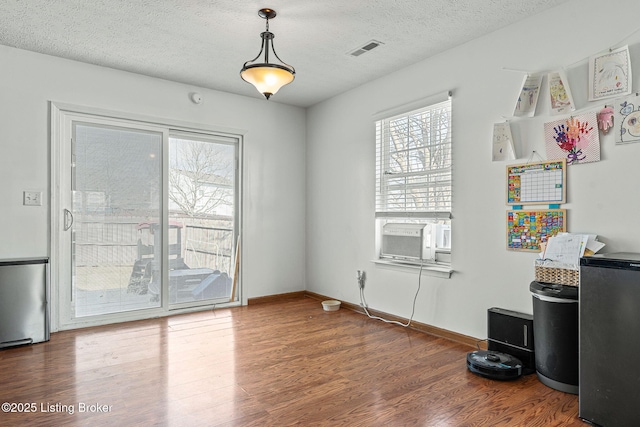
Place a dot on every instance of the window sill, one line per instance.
(437, 270)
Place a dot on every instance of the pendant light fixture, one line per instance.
(267, 77)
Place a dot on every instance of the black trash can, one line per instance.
(555, 328)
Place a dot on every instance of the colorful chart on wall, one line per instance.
(537, 183)
(626, 121)
(526, 230)
(575, 138)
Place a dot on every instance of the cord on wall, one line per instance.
(363, 301)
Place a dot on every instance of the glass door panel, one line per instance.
(116, 183)
(202, 219)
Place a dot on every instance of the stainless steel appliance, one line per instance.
(24, 301)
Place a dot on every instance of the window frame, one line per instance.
(431, 198)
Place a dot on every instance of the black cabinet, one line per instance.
(610, 339)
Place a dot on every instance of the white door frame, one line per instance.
(62, 115)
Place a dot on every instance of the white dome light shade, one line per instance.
(267, 78)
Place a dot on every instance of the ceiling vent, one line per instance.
(370, 45)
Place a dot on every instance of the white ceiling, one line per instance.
(205, 42)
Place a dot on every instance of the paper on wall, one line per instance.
(560, 93)
(528, 97)
(610, 74)
(502, 142)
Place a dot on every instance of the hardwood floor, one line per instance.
(277, 364)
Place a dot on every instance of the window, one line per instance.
(414, 186)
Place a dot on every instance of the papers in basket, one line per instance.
(566, 249)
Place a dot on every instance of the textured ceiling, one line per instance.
(205, 42)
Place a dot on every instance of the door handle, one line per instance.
(68, 219)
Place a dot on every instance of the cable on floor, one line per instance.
(364, 305)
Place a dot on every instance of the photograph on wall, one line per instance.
(575, 138)
(528, 97)
(527, 230)
(560, 93)
(610, 74)
(626, 122)
(502, 142)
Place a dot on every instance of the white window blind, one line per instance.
(413, 163)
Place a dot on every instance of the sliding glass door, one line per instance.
(145, 217)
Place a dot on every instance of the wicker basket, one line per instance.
(547, 272)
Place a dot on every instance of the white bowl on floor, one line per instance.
(331, 305)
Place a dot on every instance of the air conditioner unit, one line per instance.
(408, 241)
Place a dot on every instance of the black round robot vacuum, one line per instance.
(494, 365)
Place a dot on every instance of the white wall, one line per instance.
(274, 154)
(339, 164)
(602, 197)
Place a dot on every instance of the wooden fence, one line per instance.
(103, 241)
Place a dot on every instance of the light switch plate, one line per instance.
(32, 198)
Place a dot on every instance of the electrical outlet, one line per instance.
(361, 278)
(32, 198)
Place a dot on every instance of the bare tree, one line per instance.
(201, 177)
(419, 159)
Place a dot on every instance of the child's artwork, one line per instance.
(561, 99)
(576, 139)
(502, 142)
(605, 119)
(528, 98)
(610, 74)
(626, 121)
(526, 230)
